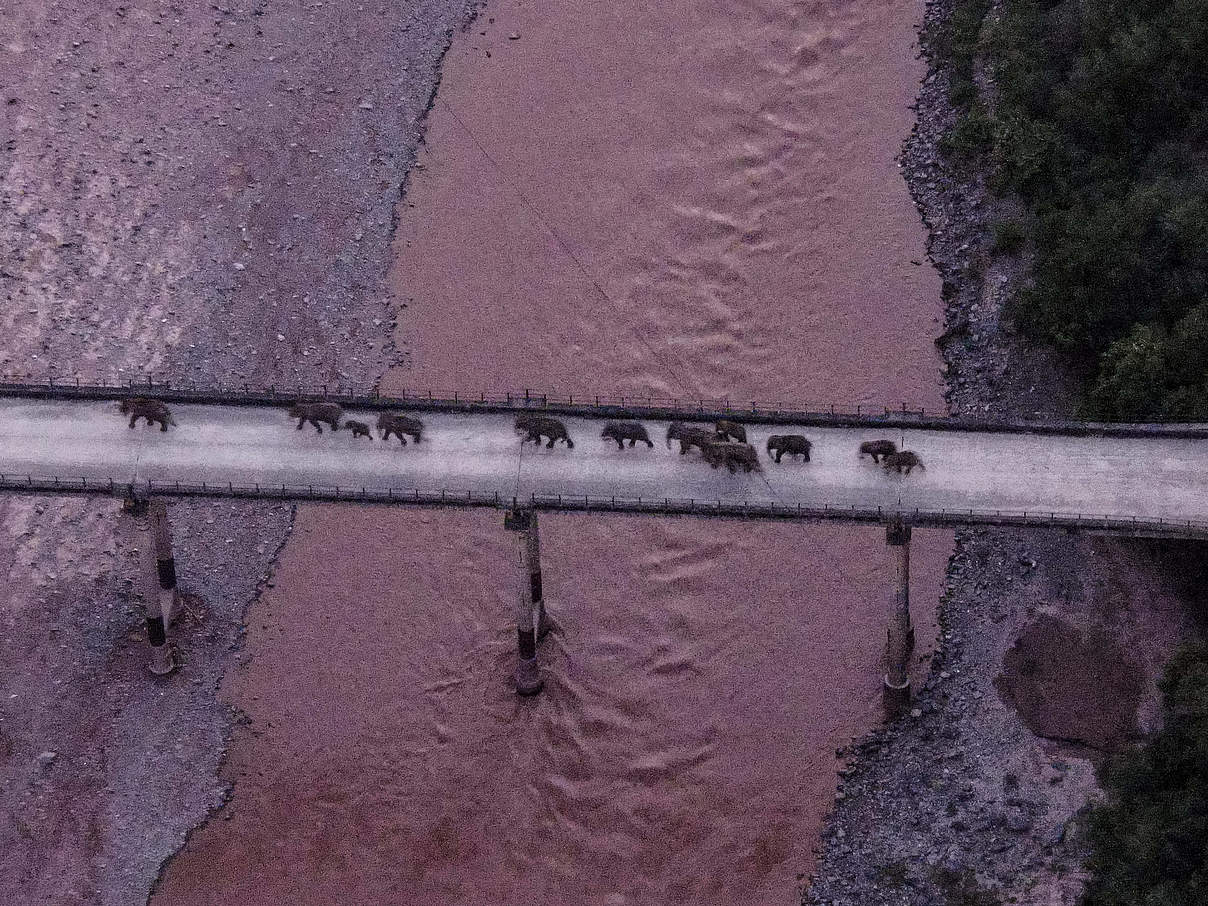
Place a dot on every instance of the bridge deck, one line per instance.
(973, 476)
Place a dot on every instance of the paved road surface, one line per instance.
(1145, 478)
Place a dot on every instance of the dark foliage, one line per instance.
(1101, 127)
(1009, 237)
(1150, 838)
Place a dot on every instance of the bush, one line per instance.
(1130, 386)
(1029, 157)
(956, 43)
(1009, 237)
(1150, 838)
(971, 138)
(1156, 373)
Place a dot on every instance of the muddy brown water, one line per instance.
(693, 199)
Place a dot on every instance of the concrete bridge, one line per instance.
(1133, 479)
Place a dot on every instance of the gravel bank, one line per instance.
(1051, 643)
(200, 192)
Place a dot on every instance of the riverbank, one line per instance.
(1051, 644)
(200, 192)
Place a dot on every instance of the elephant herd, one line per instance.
(388, 423)
(725, 445)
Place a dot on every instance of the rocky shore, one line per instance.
(1051, 643)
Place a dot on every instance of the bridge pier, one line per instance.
(532, 539)
(528, 674)
(165, 562)
(157, 601)
(900, 637)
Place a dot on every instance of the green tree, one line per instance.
(1101, 128)
(1150, 838)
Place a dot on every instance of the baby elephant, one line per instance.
(902, 462)
(877, 448)
(537, 426)
(626, 431)
(730, 431)
(689, 436)
(317, 412)
(358, 429)
(792, 444)
(152, 410)
(732, 456)
(391, 423)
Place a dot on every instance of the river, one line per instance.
(684, 199)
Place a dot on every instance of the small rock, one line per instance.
(954, 863)
(514, 36)
(365, 105)
(1056, 836)
(239, 265)
(1018, 822)
(47, 758)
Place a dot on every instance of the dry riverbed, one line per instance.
(205, 192)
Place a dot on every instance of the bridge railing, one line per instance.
(662, 506)
(185, 391)
(648, 406)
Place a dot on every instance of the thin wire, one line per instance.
(540, 217)
(775, 496)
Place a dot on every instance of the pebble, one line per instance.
(47, 758)
(1018, 822)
